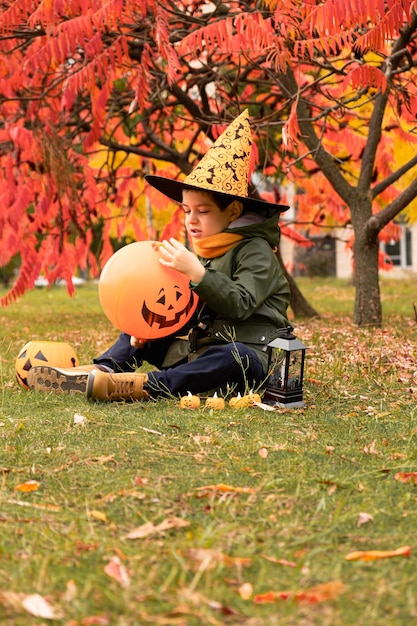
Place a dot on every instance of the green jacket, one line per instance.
(245, 292)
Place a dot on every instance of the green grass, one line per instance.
(299, 481)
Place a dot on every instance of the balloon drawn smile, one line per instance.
(152, 317)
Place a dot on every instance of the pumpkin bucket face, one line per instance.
(143, 298)
(53, 353)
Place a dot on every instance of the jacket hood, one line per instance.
(251, 225)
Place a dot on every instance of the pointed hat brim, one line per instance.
(173, 189)
(223, 170)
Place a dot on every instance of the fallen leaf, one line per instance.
(96, 620)
(372, 555)
(71, 591)
(263, 453)
(34, 505)
(116, 570)
(406, 477)
(312, 595)
(206, 558)
(79, 419)
(226, 488)
(98, 515)
(29, 485)
(272, 559)
(11, 600)
(364, 518)
(39, 607)
(370, 449)
(245, 591)
(151, 529)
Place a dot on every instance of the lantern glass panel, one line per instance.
(294, 379)
(279, 363)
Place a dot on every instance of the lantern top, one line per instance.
(288, 342)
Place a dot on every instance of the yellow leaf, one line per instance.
(29, 485)
(98, 515)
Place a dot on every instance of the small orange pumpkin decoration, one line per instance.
(54, 353)
(189, 401)
(215, 403)
(143, 298)
(243, 402)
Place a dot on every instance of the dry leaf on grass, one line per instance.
(245, 591)
(39, 607)
(371, 449)
(26, 487)
(312, 595)
(221, 487)
(96, 620)
(406, 477)
(364, 518)
(272, 559)
(98, 515)
(373, 555)
(80, 419)
(206, 558)
(43, 507)
(116, 570)
(148, 529)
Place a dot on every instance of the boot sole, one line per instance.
(44, 378)
(89, 386)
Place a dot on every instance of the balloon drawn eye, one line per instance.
(161, 300)
(178, 295)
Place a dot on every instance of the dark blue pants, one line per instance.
(230, 364)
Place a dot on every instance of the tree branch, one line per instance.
(381, 219)
(392, 178)
(324, 159)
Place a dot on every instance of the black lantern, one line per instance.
(284, 386)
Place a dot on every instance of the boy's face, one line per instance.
(202, 215)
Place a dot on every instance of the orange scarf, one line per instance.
(216, 245)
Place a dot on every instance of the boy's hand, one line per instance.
(177, 256)
(135, 342)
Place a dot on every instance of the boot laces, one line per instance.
(123, 388)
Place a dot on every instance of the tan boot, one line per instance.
(116, 387)
(59, 379)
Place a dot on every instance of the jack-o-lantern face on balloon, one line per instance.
(143, 298)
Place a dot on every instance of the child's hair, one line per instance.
(221, 201)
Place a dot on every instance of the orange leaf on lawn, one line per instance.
(406, 477)
(312, 595)
(226, 488)
(29, 485)
(373, 555)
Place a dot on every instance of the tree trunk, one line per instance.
(299, 305)
(367, 309)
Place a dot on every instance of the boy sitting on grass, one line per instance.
(243, 292)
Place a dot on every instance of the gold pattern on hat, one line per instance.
(225, 167)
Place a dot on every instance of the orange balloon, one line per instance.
(143, 298)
